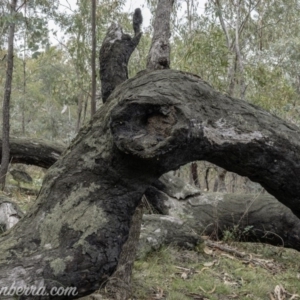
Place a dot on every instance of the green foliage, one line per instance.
(236, 234)
(204, 53)
(269, 50)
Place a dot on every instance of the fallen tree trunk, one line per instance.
(33, 151)
(244, 217)
(151, 124)
(233, 217)
(247, 217)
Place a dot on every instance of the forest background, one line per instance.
(246, 49)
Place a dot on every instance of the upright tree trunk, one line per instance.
(6, 100)
(159, 54)
(242, 85)
(24, 96)
(115, 52)
(93, 60)
(158, 58)
(235, 73)
(24, 75)
(79, 111)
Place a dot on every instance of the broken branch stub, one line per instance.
(115, 52)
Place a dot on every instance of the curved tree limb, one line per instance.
(182, 115)
(153, 123)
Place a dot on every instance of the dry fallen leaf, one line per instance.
(207, 251)
(184, 276)
(279, 292)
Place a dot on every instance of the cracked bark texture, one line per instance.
(153, 123)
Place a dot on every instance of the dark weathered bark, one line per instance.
(6, 100)
(34, 152)
(159, 54)
(218, 126)
(194, 174)
(115, 52)
(119, 284)
(153, 123)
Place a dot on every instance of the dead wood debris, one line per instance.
(247, 258)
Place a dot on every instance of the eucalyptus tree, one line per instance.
(273, 60)
(31, 35)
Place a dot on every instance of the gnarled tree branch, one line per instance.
(153, 123)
